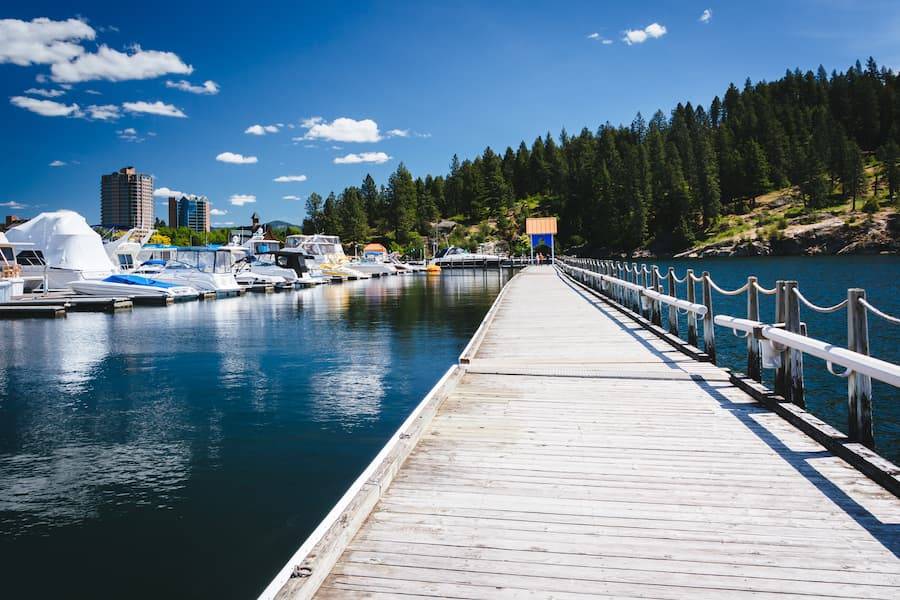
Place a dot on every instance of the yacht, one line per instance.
(61, 248)
(206, 269)
(125, 251)
(326, 254)
(134, 286)
(11, 281)
(255, 260)
(374, 261)
(454, 256)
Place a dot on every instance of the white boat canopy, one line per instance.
(66, 241)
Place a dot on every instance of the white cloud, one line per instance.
(93, 92)
(45, 93)
(42, 41)
(398, 133)
(215, 212)
(290, 197)
(223, 224)
(236, 159)
(639, 36)
(209, 87)
(129, 134)
(606, 42)
(242, 199)
(165, 192)
(13, 204)
(261, 129)
(103, 112)
(342, 129)
(46, 108)
(153, 108)
(113, 65)
(593, 36)
(363, 157)
(289, 178)
(706, 17)
(57, 163)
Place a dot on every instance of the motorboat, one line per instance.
(374, 261)
(206, 269)
(60, 247)
(125, 251)
(11, 281)
(133, 286)
(326, 254)
(454, 256)
(255, 261)
(296, 260)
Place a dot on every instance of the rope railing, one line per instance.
(780, 346)
(879, 313)
(816, 307)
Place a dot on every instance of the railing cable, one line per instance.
(816, 307)
(876, 312)
(725, 292)
(765, 291)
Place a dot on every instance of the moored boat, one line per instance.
(133, 286)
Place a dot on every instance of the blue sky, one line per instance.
(349, 89)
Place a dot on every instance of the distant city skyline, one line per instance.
(259, 109)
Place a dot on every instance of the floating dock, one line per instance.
(574, 453)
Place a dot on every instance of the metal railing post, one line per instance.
(673, 312)
(691, 317)
(754, 365)
(709, 332)
(859, 387)
(793, 373)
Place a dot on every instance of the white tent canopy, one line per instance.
(66, 240)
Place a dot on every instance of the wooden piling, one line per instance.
(709, 331)
(691, 317)
(859, 387)
(655, 313)
(793, 373)
(673, 312)
(779, 319)
(754, 364)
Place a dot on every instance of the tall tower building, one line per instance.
(126, 199)
(189, 211)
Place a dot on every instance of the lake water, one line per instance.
(187, 451)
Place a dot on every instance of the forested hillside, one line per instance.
(662, 183)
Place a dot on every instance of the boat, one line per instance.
(374, 261)
(206, 269)
(296, 260)
(61, 248)
(133, 286)
(125, 251)
(454, 256)
(326, 254)
(255, 261)
(11, 281)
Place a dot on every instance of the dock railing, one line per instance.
(779, 345)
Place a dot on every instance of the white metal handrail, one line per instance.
(834, 355)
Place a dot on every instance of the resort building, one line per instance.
(126, 200)
(189, 211)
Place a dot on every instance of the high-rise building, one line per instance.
(189, 211)
(126, 199)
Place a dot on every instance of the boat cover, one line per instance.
(138, 280)
(66, 240)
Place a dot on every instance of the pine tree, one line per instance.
(757, 171)
(854, 177)
(352, 213)
(401, 195)
(889, 155)
(372, 201)
(331, 221)
(312, 223)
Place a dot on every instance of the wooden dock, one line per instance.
(575, 454)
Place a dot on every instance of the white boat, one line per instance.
(374, 261)
(63, 248)
(326, 254)
(11, 281)
(255, 261)
(125, 251)
(454, 256)
(206, 269)
(133, 286)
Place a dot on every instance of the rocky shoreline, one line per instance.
(833, 236)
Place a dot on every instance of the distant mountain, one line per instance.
(280, 225)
